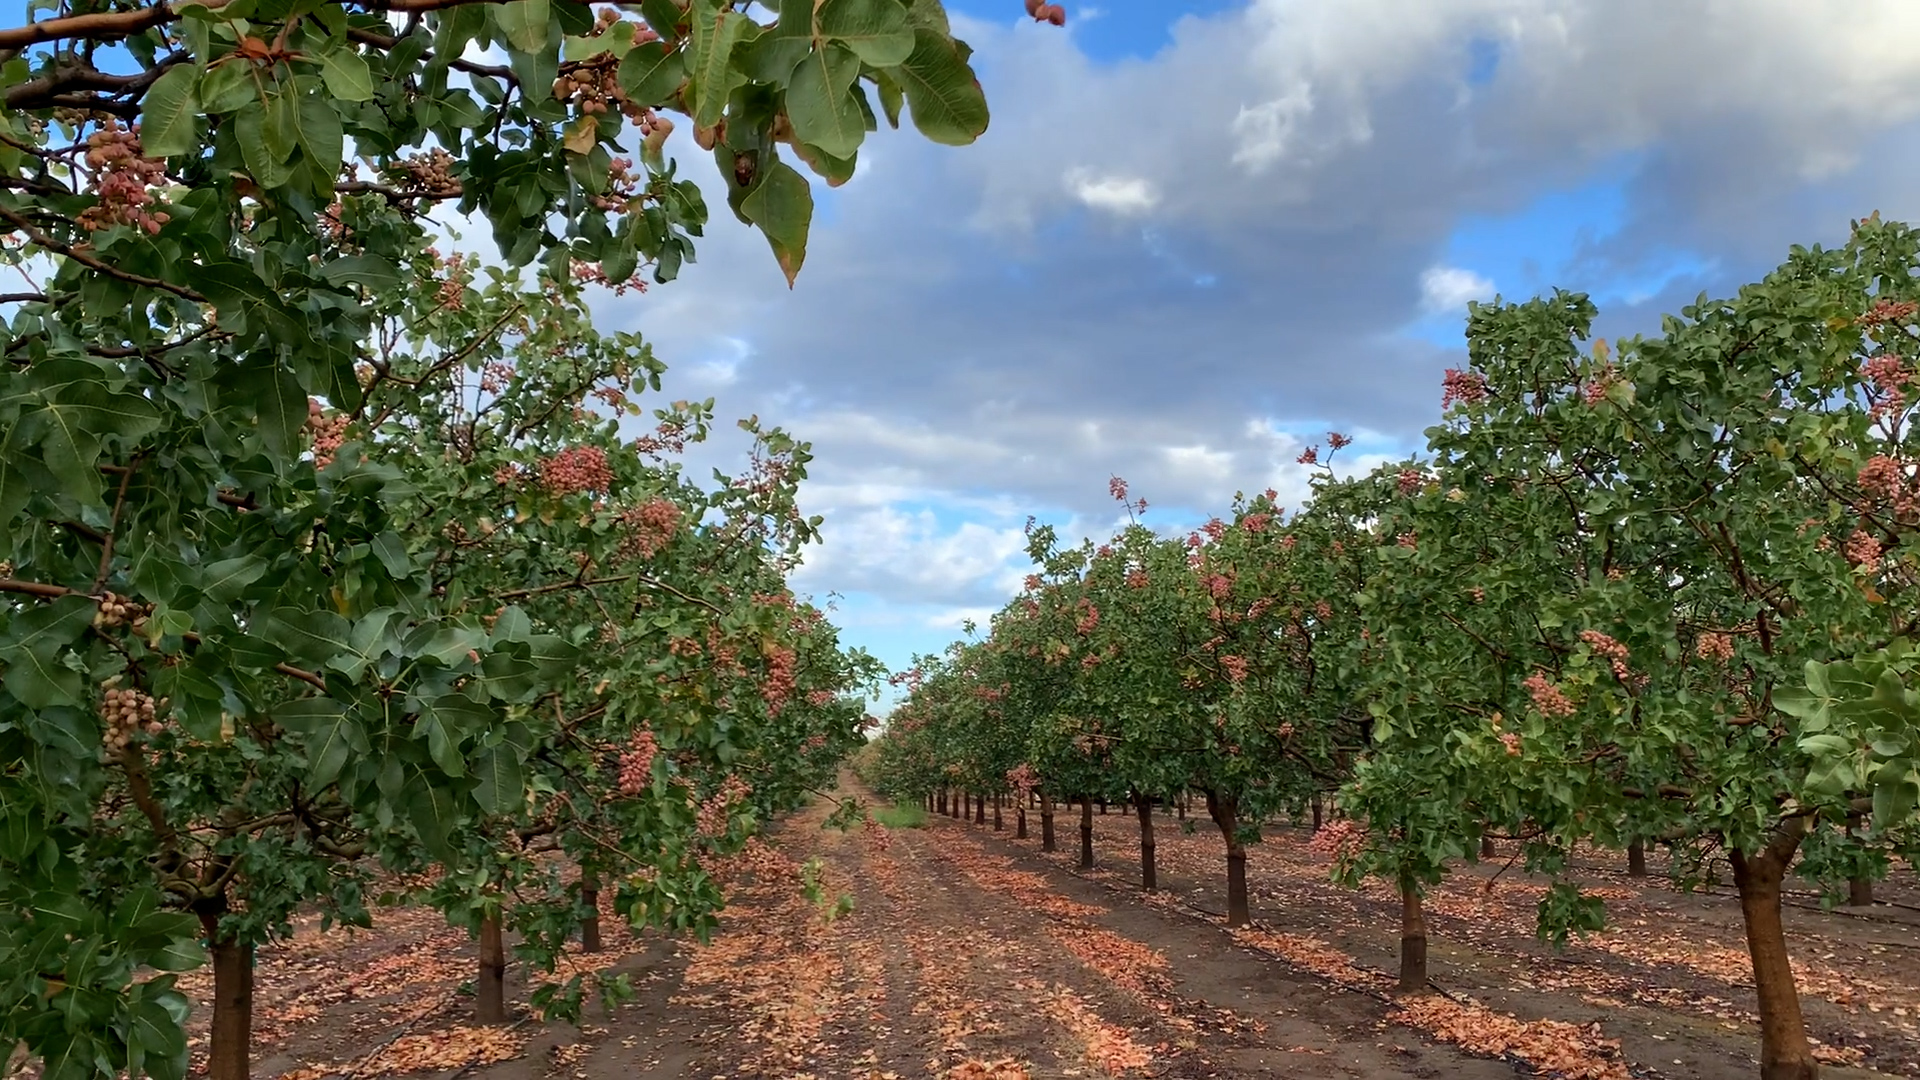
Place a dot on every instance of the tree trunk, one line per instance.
(1487, 850)
(940, 799)
(1413, 939)
(1860, 889)
(1020, 821)
(979, 809)
(1225, 812)
(1046, 822)
(1143, 806)
(1637, 859)
(229, 1055)
(1180, 806)
(1784, 1052)
(1103, 808)
(1316, 811)
(996, 814)
(590, 896)
(1086, 834)
(490, 992)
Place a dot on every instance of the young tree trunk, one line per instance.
(590, 896)
(996, 814)
(1637, 859)
(490, 992)
(1143, 807)
(1046, 822)
(1103, 808)
(979, 809)
(229, 1055)
(1316, 811)
(1086, 834)
(1413, 939)
(1784, 1052)
(1020, 821)
(940, 800)
(1180, 806)
(1225, 812)
(1860, 889)
(1487, 850)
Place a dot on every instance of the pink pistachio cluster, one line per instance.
(1461, 388)
(1410, 481)
(716, 810)
(1714, 646)
(649, 527)
(122, 179)
(1887, 311)
(1615, 653)
(495, 376)
(636, 762)
(1596, 391)
(1888, 480)
(328, 433)
(1023, 779)
(1235, 667)
(577, 468)
(1341, 839)
(1256, 522)
(1863, 550)
(778, 686)
(1548, 698)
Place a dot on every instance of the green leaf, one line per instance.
(820, 102)
(264, 143)
(312, 636)
(891, 98)
(365, 269)
(330, 736)
(947, 102)
(321, 137)
(346, 74)
(392, 553)
(502, 788)
(880, 31)
(225, 580)
(782, 206)
(650, 75)
(227, 86)
(714, 76)
(432, 811)
(525, 23)
(170, 111)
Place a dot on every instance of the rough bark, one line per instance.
(231, 1034)
(1086, 834)
(1143, 807)
(1637, 859)
(1046, 822)
(1020, 821)
(1225, 812)
(996, 814)
(979, 809)
(1487, 850)
(590, 896)
(1413, 939)
(1784, 1051)
(490, 990)
(1316, 811)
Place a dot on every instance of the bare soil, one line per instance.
(967, 954)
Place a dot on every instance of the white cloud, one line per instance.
(1448, 288)
(1123, 196)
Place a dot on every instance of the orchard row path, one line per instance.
(959, 952)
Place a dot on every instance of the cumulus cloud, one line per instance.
(965, 335)
(1448, 288)
(1125, 196)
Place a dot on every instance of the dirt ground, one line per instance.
(968, 954)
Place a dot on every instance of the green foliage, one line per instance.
(901, 817)
(324, 556)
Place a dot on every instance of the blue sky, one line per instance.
(1200, 234)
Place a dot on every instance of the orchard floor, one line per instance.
(969, 954)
